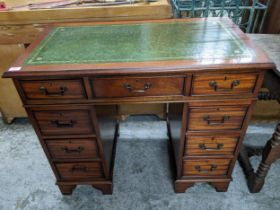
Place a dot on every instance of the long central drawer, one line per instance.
(137, 86)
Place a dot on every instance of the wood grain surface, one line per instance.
(207, 122)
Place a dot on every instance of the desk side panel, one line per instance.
(176, 127)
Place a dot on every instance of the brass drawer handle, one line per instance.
(218, 147)
(215, 122)
(200, 170)
(69, 151)
(131, 89)
(79, 168)
(216, 88)
(45, 91)
(59, 124)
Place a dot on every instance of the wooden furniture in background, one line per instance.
(271, 151)
(210, 90)
(272, 20)
(10, 103)
(20, 26)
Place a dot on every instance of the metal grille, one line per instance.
(248, 14)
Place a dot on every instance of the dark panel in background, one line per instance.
(272, 20)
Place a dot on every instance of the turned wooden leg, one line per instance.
(66, 189)
(220, 186)
(105, 188)
(270, 154)
(181, 187)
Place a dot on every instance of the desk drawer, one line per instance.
(206, 167)
(133, 86)
(223, 84)
(64, 122)
(73, 148)
(210, 145)
(53, 89)
(216, 118)
(81, 171)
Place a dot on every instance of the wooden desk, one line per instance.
(20, 26)
(207, 70)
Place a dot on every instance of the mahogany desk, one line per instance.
(207, 70)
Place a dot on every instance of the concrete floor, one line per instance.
(142, 178)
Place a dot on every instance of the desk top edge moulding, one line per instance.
(171, 45)
(72, 77)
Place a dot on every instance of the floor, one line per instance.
(142, 178)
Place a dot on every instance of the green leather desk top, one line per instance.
(139, 42)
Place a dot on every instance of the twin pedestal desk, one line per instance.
(72, 78)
